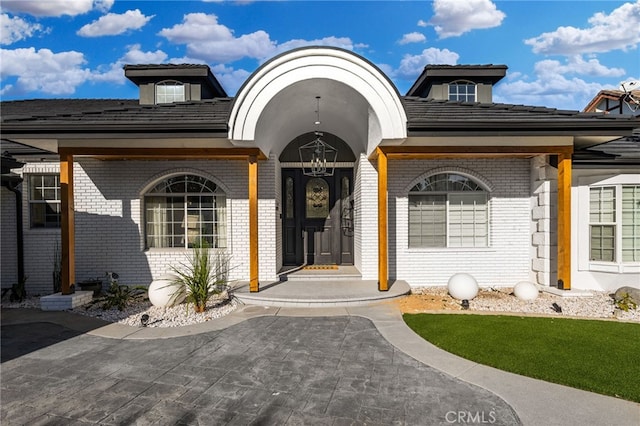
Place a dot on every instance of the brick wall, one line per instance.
(39, 244)
(504, 263)
(109, 217)
(9, 257)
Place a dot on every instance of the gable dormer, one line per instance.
(167, 83)
(467, 83)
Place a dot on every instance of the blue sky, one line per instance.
(559, 53)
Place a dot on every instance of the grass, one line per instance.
(597, 356)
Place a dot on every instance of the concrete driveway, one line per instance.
(267, 370)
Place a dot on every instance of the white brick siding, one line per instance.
(39, 243)
(109, 217)
(366, 218)
(505, 262)
(9, 234)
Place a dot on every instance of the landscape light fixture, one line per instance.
(144, 320)
(318, 158)
(465, 304)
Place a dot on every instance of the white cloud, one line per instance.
(411, 66)
(422, 23)
(43, 70)
(577, 65)
(114, 73)
(231, 79)
(114, 24)
(206, 38)
(342, 42)
(56, 7)
(618, 30)
(554, 86)
(16, 29)
(454, 17)
(414, 37)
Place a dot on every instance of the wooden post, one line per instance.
(383, 278)
(67, 225)
(253, 224)
(564, 220)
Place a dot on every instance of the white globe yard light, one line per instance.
(463, 286)
(526, 291)
(164, 292)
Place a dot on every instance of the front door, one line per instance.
(317, 218)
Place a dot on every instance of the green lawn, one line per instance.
(598, 356)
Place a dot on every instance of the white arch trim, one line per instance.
(322, 63)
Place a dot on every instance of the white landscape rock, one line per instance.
(463, 286)
(164, 292)
(526, 290)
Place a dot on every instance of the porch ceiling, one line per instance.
(292, 112)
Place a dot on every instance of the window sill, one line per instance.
(618, 268)
(451, 249)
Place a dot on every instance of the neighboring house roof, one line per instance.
(612, 95)
(424, 117)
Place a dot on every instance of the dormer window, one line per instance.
(169, 91)
(464, 91)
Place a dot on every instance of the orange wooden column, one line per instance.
(253, 224)
(383, 272)
(67, 225)
(564, 219)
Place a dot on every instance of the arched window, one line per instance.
(462, 91)
(169, 91)
(448, 210)
(185, 210)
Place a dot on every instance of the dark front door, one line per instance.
(317, 218)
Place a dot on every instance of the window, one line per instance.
(614, 223)
(182, 211)
(462, 91)
(448, 210)
(169, 91)
(44, 201)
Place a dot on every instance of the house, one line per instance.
(317, 160)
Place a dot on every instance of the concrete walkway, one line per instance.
(266, 365)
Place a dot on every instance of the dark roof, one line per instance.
(623, 151)
(429, 116)
(438, 74)
(111, 115)
(47, 107)
(16, 149)
(424, 117)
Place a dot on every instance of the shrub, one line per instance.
(202, 276)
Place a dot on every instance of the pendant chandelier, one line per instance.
(318, 158)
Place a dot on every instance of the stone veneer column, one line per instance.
(544, 189)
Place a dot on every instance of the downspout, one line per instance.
(12, 185)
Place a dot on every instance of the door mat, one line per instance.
(320, 267)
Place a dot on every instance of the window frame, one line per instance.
(617, 225)
(462, 97)
(448, 211)
(165, 84)
(184, 213)
(43, 190)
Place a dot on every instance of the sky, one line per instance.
(559, 54)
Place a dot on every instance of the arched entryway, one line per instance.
(317, 212)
